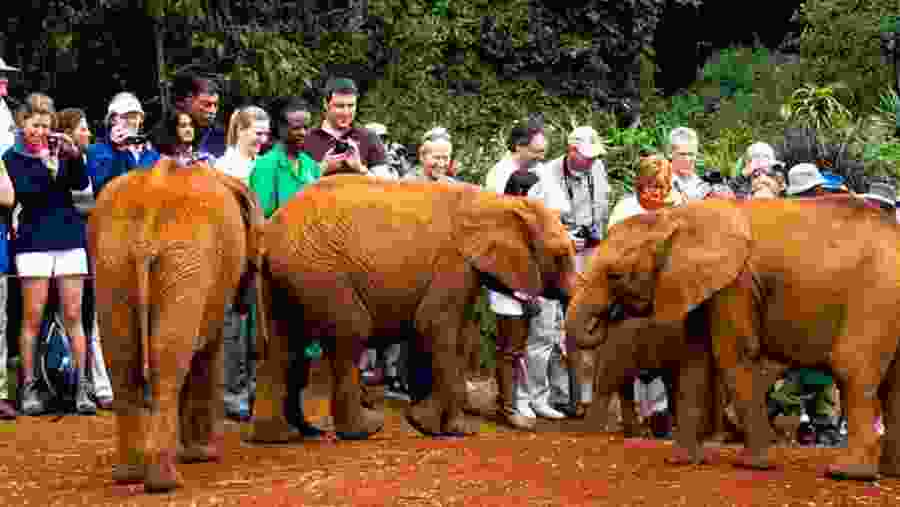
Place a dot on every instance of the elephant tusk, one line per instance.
(587, 393)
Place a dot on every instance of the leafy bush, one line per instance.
(733, 69)
(841, 42)
(817, 107)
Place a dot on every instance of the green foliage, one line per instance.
(723, 150)
(817, 107)
(841, 42)
(733, 69)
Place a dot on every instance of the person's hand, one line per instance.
(350, 159)
(118, 134)
(67, 149)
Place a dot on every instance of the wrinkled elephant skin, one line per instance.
(172, 247)
(806, 282)
(352, 258)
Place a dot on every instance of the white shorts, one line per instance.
(53, 263)
(501, 304)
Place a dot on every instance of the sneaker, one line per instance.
(546, 411)
(395, 389)
(523, 407)
(31, 402)
(84, 405)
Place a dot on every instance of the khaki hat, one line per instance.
(377, 128)
(8, 68)
(586, 140)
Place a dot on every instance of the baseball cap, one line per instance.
(586, 140)
(124, 103)
(340, 85)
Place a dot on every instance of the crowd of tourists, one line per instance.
(52, 173)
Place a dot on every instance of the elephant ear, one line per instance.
(495, 234)
(701, 249)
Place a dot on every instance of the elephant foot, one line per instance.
(370, 422)
(129, 473)
(203, 453)
(755, 461)
(480, 398)
(459, 427)
(889, 469)
(271, 431)
(686, 456)
(162, 476)
(425, 417)
(853, 472)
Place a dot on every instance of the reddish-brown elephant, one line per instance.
(172, 246)
(351, 258)
(802, 282)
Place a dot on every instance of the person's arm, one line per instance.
(376, 157)
(7, 192)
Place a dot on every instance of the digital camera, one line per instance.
(341, 147)
(591, 235)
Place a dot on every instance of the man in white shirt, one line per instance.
(7, 120)
(684, 145)
(527, 146)
(577, 185)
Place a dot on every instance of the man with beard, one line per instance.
(277, 176)
(337, 145)
(199, 97)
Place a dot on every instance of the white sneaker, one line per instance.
(546, 411)
(523, 407)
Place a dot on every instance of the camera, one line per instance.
(135, 139)
(53, 141)
(341, 147)
(591, 235)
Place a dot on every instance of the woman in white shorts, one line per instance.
(50, 238)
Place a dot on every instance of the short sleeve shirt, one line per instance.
(372, 152)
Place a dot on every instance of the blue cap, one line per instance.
(832, 181)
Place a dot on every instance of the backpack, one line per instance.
(56, 374)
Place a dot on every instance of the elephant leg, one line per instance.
(735, 345)
(352, 420)
(126, 376)
(862, 380)
(168, 379)
(270, 424)
(630, 424)
(695, 404)
(201, 415)
(889, 464)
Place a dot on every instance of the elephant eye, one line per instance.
(614, 277)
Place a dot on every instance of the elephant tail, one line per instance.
(143, 266)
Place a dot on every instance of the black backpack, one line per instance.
(57, 378)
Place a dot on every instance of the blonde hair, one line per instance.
(68, 120)
(654, 169)
(243, 118)
(35, 103)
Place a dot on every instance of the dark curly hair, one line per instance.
(166, 135)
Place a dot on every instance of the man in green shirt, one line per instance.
(286, 168)
(278, 175)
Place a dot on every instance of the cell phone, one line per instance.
(136, 139)
(53, 141)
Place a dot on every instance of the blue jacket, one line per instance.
(212, 142)
(105, 163)
(49, 220)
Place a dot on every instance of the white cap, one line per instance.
(803, 177)
(124, 103)
(377, 128)
(586, 140)
(8, 68)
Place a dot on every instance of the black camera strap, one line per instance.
(590, 182)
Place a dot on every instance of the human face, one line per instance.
(341, 110)
(251, 139)
(4, 84)
(203, 109)
(436, 157)
(82, 134)
(133, 120)
(36, 129)
(297, 126)
(578, 161)
(184, 130)
(532, 153)
(683, 158)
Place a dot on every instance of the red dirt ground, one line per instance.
(68, 463)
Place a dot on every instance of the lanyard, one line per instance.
(592, 197)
